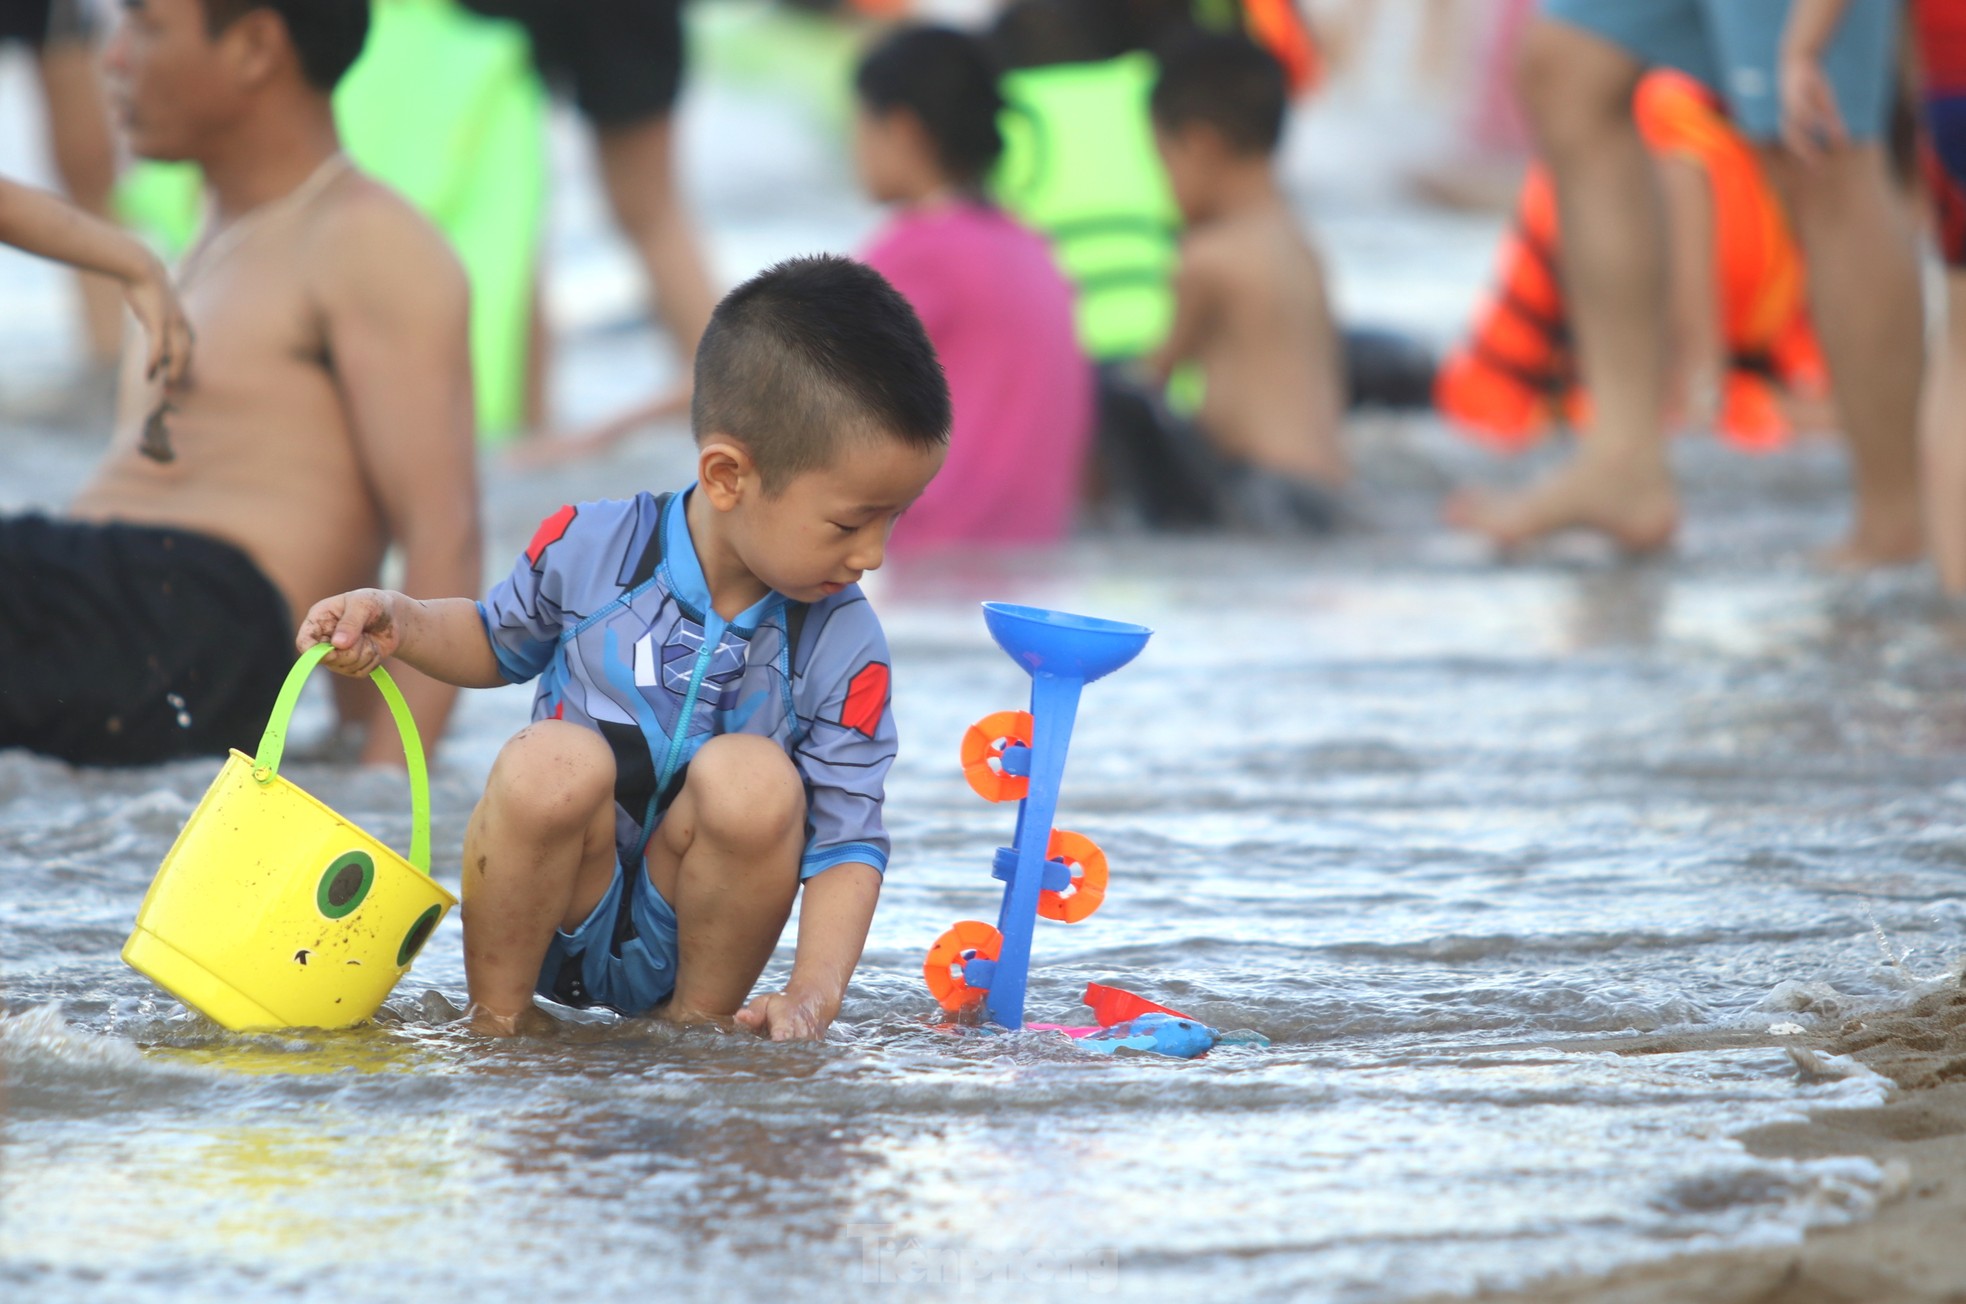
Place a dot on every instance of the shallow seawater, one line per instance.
(1429, 824)
(1411, 817)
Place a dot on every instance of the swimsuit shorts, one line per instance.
(1945, 173)
(131, 644)
(36, 23)
(622, 956)
(1162, 471)
(1732, 45)
(1941, 33)
(622, 59)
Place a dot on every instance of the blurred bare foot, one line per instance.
(529, 1022)
(1880, 537)
(1636, 507)
(687, 1018)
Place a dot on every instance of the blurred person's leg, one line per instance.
(1944, 424)
(84, 152)
(1699, 354)
(1580, 65)
(1945, 442)
(1856, 237)
(638, 169)
(1853, 222)
(625, 59)
(539, 355)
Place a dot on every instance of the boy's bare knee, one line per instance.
(1574, 87)
(745, 792)
(552, 775)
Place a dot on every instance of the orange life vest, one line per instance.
(1278, 26)
(1516, 373)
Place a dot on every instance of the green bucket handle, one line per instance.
(273, 743)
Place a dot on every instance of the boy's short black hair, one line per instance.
(809, 353)
(1226, 82)
(327, 35)
(947, 80)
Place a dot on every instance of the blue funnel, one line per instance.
(1059, 645)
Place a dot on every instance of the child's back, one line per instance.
(1265, 342)
(1251, 308)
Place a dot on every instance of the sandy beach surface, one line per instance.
(1913, 1251)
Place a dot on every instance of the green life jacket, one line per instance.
(1079, 164)
(443, 107)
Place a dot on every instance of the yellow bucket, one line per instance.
(272, 911)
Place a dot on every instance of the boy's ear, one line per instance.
(725, 471)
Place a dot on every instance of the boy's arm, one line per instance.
(396, 305)
(837, 909)
(39, 223)
(444, 638)
(1811, 121)
(844, 691)
(1194, 295)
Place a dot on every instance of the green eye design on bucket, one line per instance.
(419, 934)
(345, 885)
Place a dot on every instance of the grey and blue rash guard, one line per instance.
(609, 609)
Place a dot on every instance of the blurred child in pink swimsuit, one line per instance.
(994, 303)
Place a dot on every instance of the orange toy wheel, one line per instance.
(968, 940)
(983, 748)
(1088, 888)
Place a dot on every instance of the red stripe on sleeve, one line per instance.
(866, 698)
(549, 533)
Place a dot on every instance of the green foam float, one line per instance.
(1079, 165)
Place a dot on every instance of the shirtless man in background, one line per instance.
(1251, 307)
(327, 414)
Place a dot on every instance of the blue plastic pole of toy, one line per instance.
(1062, 653)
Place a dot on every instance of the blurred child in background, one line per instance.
(1251, 308)
(994, 303)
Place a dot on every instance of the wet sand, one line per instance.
(1913, 1251)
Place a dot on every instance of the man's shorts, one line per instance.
(623, 59)
(622, 956)
(132, 644)
(1732, 46)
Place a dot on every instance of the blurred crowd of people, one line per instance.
(1717, 212)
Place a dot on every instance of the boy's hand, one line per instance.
(361, 626)
(789, 1015)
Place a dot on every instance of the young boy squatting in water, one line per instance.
(712, 728)
(1250, 302)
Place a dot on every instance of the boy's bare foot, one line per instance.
(687, 1018)
(529, 1022)
(1635, 506)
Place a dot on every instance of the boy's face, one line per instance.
(829, 526)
